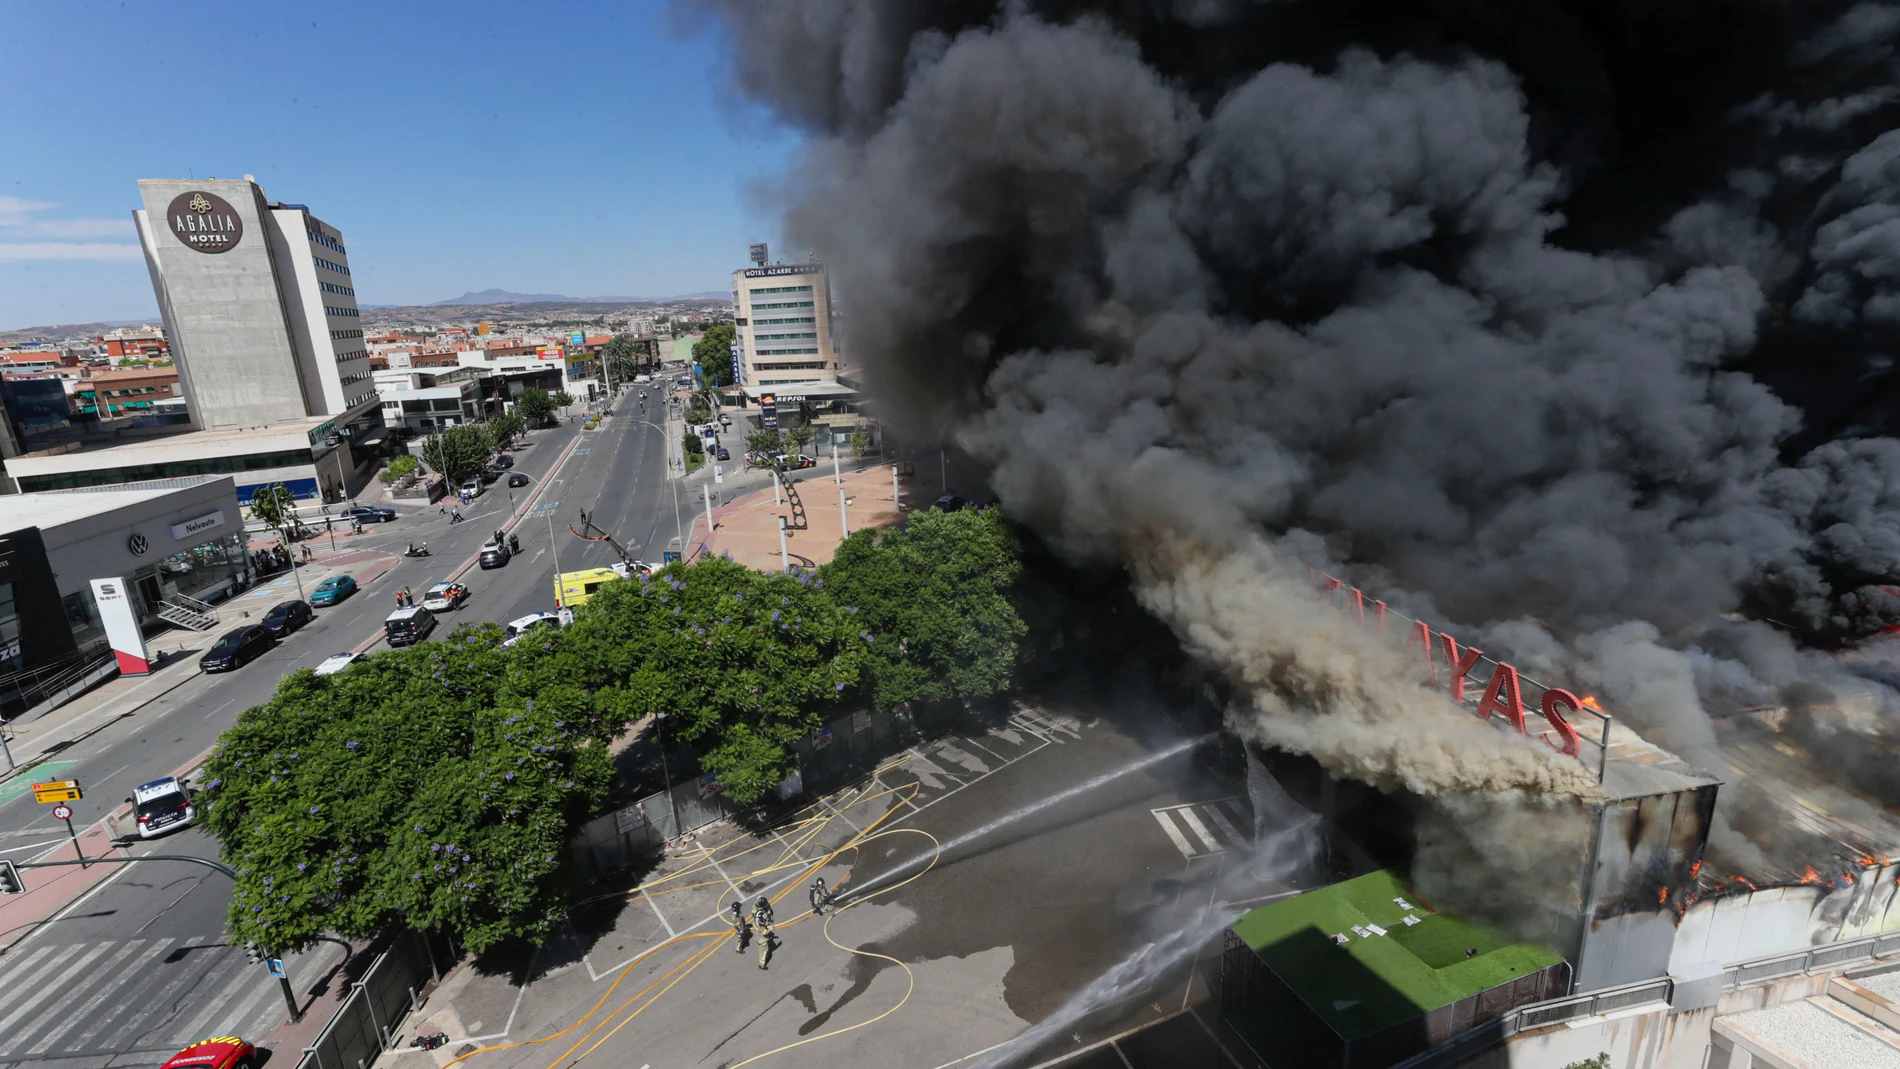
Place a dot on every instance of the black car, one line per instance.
(517, 479)
(489, 475)
(495, 555)
(285, 617)
(370, 515)
(503, 460)
(950, 502)
(236, 649)
(724, 453)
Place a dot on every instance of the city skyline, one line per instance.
(617, 167)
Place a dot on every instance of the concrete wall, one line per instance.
(1642, 861)
(225, 318)
(304, 301)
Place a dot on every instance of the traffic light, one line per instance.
(252, 954)
(10, 882)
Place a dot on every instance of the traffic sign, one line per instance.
(59, 790)
(276, 966)
(62, 812)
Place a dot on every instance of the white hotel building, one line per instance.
(783, 321)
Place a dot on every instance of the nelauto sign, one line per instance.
(204, 221)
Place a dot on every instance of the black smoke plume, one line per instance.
(1569, 324)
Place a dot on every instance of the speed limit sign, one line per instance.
(62, 812)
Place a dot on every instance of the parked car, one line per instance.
(286, 617)
(444, 596)
(725, 419)
(408, 625)
(489, 475)
(370, 515)
(502, 460)
(333, 590)
(724, 453)
(163, 805)
(515, 478)
(224, 1052)
(950, 502)
(795, 461)
(520, 627)
(473, 487)
(494, 555)
(338, 662)
(235, 649)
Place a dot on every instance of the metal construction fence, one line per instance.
(367, 1022)
(615, 840)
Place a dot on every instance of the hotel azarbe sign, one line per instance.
(204, 221)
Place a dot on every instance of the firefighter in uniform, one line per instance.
(740, 928)
(762, 921)
(820, 897)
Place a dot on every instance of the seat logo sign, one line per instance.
(205, 222)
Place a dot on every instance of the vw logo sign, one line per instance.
(137, 544)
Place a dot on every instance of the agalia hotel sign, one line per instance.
(204, 221)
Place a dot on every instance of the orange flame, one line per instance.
(1810, 876)
(1695, 870)
(1590, 701)
(1662, 895)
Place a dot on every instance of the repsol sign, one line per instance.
(204, 221)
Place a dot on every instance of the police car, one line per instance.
(162, 806)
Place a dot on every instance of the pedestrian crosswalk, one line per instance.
(124, 996)
(1200, 829)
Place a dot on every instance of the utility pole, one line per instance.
(706, 489)
(896, 501)
(282, 507)
(784, 557)
(844, 517)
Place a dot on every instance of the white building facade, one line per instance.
(783, 325)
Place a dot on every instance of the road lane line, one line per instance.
(14, 969)
(58, 985)
(1186, 813)
(249, 1010)
(81, 1015)
(1180, 841)
(670, 933)
(165, 993)
(138, 968)
(234, 988)
(1226, 826)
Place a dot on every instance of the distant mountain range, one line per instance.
(495, 296)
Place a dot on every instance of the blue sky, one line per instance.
(547, 147)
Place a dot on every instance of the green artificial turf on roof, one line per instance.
(1375, 981)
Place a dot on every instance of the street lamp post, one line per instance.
(279, 492)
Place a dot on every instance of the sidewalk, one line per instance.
(747, 527)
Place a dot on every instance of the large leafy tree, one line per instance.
(623, 357)
(459, 452)
(506, 426)
(428, 786)
(274, 505)
(713, 353)
(744, 664)
(535, 405)
(938, 593)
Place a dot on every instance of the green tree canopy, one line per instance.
(761, 441)
(535, 405)
(745, 664)
(273, 504)
(429, 786)
(938, 593)
(562, 398)
(460, 451)
(506, 426)
(691, 443)
(799, 435)
(623, 357)
(399, 467)
(713, 353)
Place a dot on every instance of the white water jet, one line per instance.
(1026, 811)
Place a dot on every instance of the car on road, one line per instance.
(408, 625)
(494, 555)
(502, 460)
(473, 487)
(518, 479)
(950, 503)
(222, 1052)
(370, 515)
(286, 617)
(724, 453)
(235, 649)
(333, 590)
(489, 475)
(163, 805)
(337, 662)
(795, 461)
(518, 628)
(725, 419)
(444, 596)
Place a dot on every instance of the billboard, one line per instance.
(768, 410)
(577, 338)
(757, 254)
(549, 352)
(121, 620)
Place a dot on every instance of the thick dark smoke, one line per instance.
(1571, 324)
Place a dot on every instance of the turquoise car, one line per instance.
(333, 590)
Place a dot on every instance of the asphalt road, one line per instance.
(141, 963)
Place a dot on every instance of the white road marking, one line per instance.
(57, 985)
(1199, 829)
(83, 1013)
(1180, 841)
(200, 1025)
(1226, 826)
